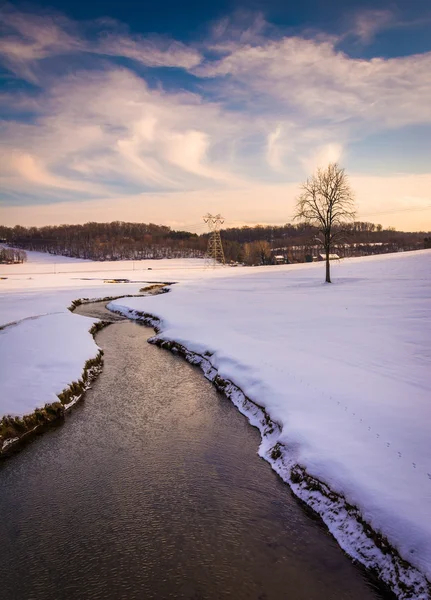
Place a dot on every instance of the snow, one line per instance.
(43, 346)
(44, 258)
(35, 288)
(343, 368)
(41, 358)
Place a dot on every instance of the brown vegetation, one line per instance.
(12, 256)
(255, 245)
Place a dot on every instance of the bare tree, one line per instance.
(327, 202)
(257, 253)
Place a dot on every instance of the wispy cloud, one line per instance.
(28, 38)
(322, 156)
(153, 52)
(274, 150)
(315, 81)
(110, 127)
(266, 108)
(367, 23)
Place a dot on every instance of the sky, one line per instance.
(164, 111)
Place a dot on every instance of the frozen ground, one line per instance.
(344, 369)
(40, 358)
(46, 346)
(47, 283)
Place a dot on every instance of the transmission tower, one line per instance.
(214, 254)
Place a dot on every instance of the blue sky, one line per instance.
(161, 111)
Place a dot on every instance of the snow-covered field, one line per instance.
(47, 284)
(344, 369)
(40, 358)
(46, 346)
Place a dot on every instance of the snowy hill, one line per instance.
(344, 369)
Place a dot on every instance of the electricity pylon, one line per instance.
(214, 254)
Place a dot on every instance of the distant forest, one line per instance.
(106, 241)
(251, 245)
(12, 255)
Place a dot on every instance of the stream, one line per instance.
(153, 489)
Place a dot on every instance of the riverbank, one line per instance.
(255, 413)
(350, 445)
(153, 489)
(359, 540)
(331, 365)
(345, 521)
(16, 430)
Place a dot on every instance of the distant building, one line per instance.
(279, 259)
(331, 257)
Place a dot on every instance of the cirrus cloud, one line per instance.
(252, 108)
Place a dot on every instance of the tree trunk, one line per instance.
(328, 271)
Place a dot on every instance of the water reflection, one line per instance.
(153, 489)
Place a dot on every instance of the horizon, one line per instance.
(206, 231)
(161, 115)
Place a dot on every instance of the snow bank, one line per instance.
(343, 368)
(46, 347)
(39, 263)
(40, 358)
(33, 288)
(23, 304)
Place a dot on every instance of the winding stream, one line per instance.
(153, 490)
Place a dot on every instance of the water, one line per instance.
(153, 490)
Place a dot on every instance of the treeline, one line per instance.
(298, 242)
(12, 255)
(107, 241)
(252, 245)
(359, 231)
